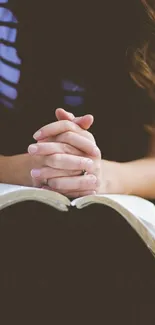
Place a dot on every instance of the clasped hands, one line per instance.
(65, 148)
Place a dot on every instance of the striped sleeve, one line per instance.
(9, 61)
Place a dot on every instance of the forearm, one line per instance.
(133, 178)
(16, 169)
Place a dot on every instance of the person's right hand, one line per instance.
(64, 160)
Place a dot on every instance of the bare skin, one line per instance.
(135, 177)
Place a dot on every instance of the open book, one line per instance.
(138, 212)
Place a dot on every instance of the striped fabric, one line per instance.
(73, 94)
(10, 64)
(9, 61)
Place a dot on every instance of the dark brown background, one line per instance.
(96, 268)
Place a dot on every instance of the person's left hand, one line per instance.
(72, 186)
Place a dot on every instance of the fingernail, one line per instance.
(89, 163)
(32, 149)
(95, 151)
(37, 135)
(93, 179)
(35, 173)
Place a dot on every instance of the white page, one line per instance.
(11, 194)
(139, 207)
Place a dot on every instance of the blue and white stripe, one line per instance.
(10, 64)
(73, 93)
(9, 61)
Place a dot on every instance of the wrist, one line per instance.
(113, 179)
(5, 163)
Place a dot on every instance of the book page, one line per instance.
(138, 212)
(139, 207)
(11, 194)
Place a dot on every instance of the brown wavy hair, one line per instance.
(143, 60)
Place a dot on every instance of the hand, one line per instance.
(84, 122)
(59, 166)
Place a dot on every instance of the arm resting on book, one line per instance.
(136, 178)
(16, 169)
(133, 178)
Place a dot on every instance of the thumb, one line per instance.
(84, 121)
(61, 114)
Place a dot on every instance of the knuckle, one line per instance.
(97, 172)
(68, 136)
(95, 181)
(89, 136)
(81, 163)
(48, 161)
(97, 168)
(92, 181)
(81, 183)
(57, 159)
(98, 184)
(53, 160)
(69, 149)
(69, 125)
(66, 148)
